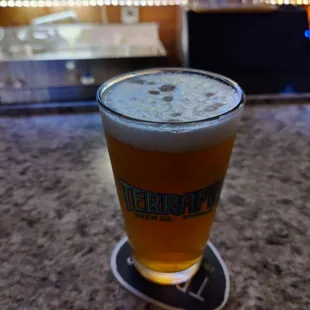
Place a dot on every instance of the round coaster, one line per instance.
(208, 289)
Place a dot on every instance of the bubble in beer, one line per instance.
(137, 81)
(210, 94)
(168, 98)
(167, 87)
(176, 114)
(154, 92)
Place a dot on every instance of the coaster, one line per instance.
(208, 289)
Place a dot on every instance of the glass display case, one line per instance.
(68, 62)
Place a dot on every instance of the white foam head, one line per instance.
(170, 109)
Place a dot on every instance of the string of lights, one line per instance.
(73, 3)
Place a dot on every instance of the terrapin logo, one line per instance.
(147, 204)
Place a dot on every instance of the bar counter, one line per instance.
(60, 219)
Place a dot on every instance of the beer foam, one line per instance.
(160, 100)
(171, 97)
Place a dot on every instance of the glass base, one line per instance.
(166, 278)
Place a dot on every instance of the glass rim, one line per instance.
(132, 74)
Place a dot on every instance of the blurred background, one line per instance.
(61, 50)
(59, 214)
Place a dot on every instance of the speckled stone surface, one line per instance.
(59, 216)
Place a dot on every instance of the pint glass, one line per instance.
(169, 133)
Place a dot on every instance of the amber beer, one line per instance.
(169, 163)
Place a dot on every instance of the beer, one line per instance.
(170, 134)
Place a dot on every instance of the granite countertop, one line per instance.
(59, 215)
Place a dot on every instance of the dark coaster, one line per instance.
(208, 289)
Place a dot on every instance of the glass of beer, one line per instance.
(170, 133)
